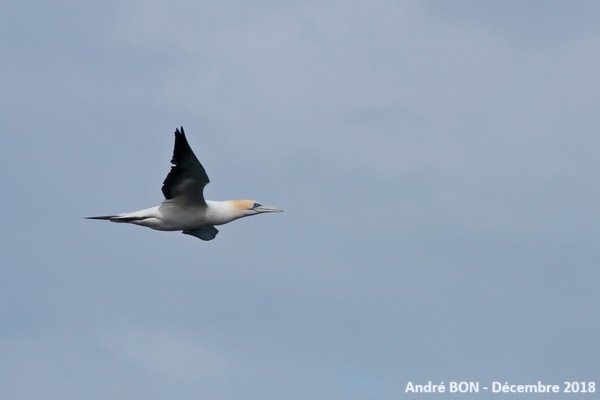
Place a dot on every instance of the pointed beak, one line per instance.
(266, 209)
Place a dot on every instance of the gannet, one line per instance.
(184, 208)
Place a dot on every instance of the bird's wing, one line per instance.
(187, 177)
(206, 232)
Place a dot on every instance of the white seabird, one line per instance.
(184, 208)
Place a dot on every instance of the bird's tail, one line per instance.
(116, 218)
(104, 217)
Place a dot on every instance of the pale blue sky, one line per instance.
(437, 162)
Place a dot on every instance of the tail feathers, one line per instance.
(117, 218)
(104, 217)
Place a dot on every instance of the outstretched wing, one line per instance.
(187, 178)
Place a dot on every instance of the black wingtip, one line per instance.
(179, 131)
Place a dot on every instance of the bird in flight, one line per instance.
(184, 208)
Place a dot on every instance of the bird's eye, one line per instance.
(256, 205)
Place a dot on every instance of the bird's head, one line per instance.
(252, 207)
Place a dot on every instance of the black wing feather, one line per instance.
(207, 232)
(187, 177)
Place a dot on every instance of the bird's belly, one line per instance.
(175, 217)
(182, 218)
